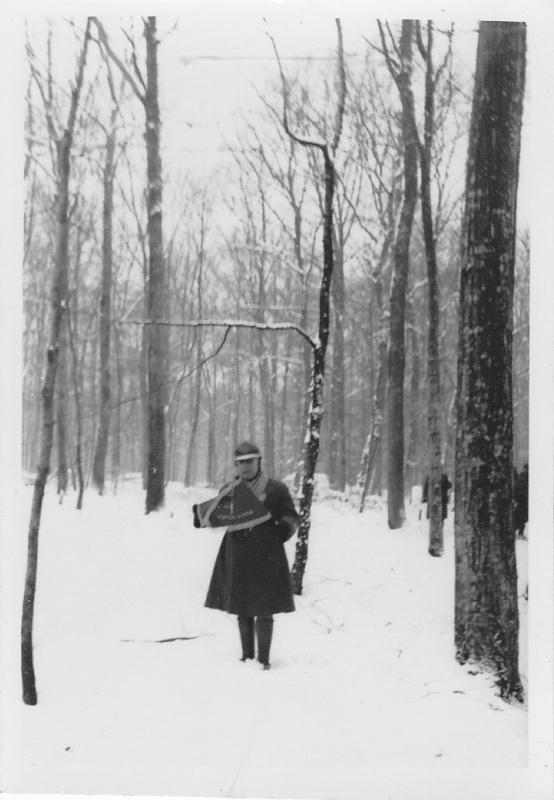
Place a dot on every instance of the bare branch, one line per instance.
(419, 40)
(134, 61)
(393, 66)
(76, 90)
(46, 99)
(285, 120)
(198, 366)
(342, 90)
(448, 56)
(115, 58)
(232, 323)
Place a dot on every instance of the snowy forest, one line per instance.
(338, 274)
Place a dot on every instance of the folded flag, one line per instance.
(234, 508)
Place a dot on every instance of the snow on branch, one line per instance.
(229, 323)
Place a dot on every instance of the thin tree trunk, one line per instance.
(78, 414)
(158, 336)
(435, 471)
(198, 374)
(486, 604)
(61, 403)
(318, 375)
(99, 465)
(401, 261)
(212, 423)
(59, 307)
(311, 450)
(414, 406)
(373, 444)
(116, 437)
(238, 389)
(337, 444)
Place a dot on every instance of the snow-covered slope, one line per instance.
(364, 685)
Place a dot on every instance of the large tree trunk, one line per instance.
(158, 336)
(401, 261)
(99, 465)
(486, 610)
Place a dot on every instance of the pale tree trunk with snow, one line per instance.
(158, 338)
(486, 602)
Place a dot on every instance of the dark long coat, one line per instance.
(251, 572)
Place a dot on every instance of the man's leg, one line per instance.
(264, 633)
(246, 629)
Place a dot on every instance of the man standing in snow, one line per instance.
(251, 573)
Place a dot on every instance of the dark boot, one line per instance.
(246, 629)
(264, 632)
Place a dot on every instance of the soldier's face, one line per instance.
(248, 468)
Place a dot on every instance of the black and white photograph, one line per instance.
(276, 462)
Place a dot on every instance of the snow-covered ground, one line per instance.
(364, 692)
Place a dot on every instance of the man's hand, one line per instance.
(284, 528)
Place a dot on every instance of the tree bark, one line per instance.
(401, 262)
(486, 609)
(157, 299)
(311, 450)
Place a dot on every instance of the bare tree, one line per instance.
(425, 149)
(63, 140)
(312, 440)
(400, 66)
(379, 155)
(157, 299)
(486, 610)
(108, 176)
